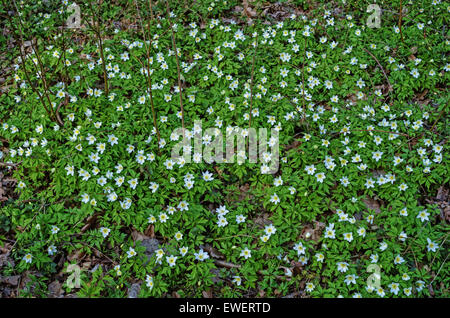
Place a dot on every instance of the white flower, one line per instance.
(431, 245)
(415, 73)
(21, 185)
(237, 280)
(201, 255)
(105, 231)
(28, 258)
(153, 186)
(131, 252)
(342, 267)
(113, 140)
(350, 279)
(309, 287)
(348, 237)
(320, 177)
(270, 229)
(423, 215)
(171, 260)
(163, 217)
(54, 229)
(278, 181)
(407, 291)
(402, 236)
(380, 292)
(149, 281)
(183, 206)
(51, 250)
(240, 218)
(299, 248)
(399, 260)
(133, 183)
(310, 169)
(178, 236)
(246, 253)
(330, 232)
(183, 250)
(169, 164)
(275, 199)
(207, 176)
(222, 221)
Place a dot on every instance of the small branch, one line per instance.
(178, 65)
(381, 67)
(226, 264)
(437, 274)
(97, 31)
(445, 239)
(8, 164)
(400, 17)
(26, 226)
(147, 65)
(251, 83)
(21, 41)
(437, 119)
(58, 117)
(303, 84)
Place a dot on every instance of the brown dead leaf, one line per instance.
(77, 255)
(296, 268)
(150, 231)
(312, 233)
(89, 222)
(54, 288)
(10, 280)
(207, 293)
(287, 271)
(318, 227)
(372, 204)
(352, 98)
(294, 144)
(294, 294)
(213, 251)
(5, 248)
(249, 11)
(262, 220)
(447, 214)
(176, 295)
(422, 95)
(243, 192)
(5, 260)
(2, 194)
(442, 194)
(86, 265)
(219, 172)
(442, 202)
(424, 102)
(307, 232)
(430, 288)
(138, 236)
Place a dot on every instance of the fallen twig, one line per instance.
(178, 65)
(9, 164)
(226, 264)
(381, 67)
